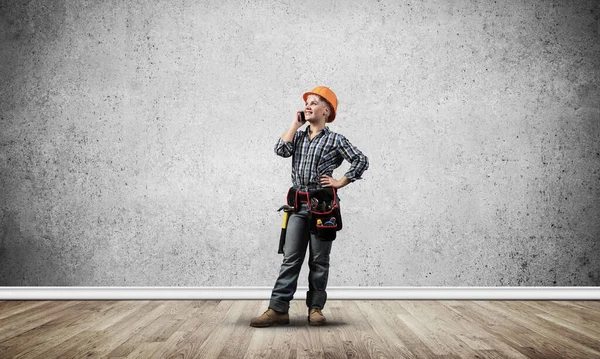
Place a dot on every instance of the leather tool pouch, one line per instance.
(326, 218)
(325, 215)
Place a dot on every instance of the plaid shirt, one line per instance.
(321, 156)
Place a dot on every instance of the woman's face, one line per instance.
(315, 109)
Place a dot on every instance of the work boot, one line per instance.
(316, 317)
(270, 317)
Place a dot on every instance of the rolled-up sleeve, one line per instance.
(284, 149)
(359, 163)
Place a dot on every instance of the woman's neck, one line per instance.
(315, 128)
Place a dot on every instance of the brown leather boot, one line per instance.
(316, 317)
(270, 317)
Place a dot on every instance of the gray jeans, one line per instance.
(298, 237)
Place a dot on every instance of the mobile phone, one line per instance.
(301, 117)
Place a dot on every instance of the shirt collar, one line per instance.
(325, 131)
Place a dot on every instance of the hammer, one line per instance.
(286, 213)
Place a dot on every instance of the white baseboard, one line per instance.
(333, 293)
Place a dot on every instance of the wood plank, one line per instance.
(285, 338)
(307, 342)
(157, 349)
(260, 344)
(579, 316)
(218, 338)
(351, 334)
(461, 310)
(450, 329)
(333, 348)
(158, 330)
(91, 342)
(49, 336)
(144, 350)
(119, 313)
(54, 331)
(580, 329)
(579, 345)
(27, 320)
(390, 311)
(148, 322)
(394, 344)
(242, 334)
(197, 333)
(355, 329)
(593, 307)
(60, 350)
(199, 311)
(272, 342)
(35, 311)
(425, 325)
(10, 308)
(526, 340)
(501, 330)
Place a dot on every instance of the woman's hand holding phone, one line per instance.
(299, 120)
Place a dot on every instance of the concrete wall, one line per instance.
(136, 140)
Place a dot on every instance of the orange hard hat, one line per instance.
(328, 95)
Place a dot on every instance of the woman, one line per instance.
(316, 152)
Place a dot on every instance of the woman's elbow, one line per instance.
(283, 153)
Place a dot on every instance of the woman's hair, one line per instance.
(327, 104)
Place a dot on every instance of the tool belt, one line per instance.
(325, 217)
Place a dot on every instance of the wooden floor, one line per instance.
(356, 329)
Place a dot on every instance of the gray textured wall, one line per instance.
(136, 140)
